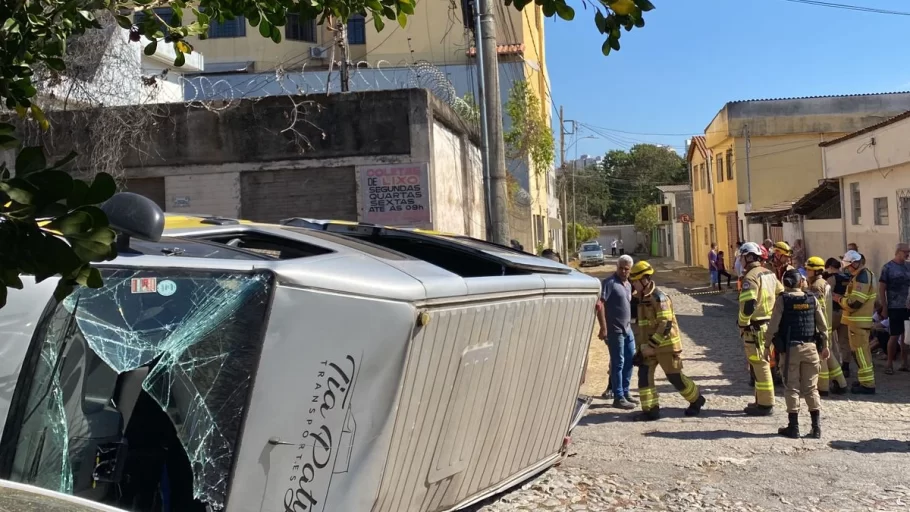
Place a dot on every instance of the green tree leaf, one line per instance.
(565, 12)
(151, 48)
(29, 160)
(102, 188)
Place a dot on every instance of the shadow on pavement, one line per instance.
(709, 435)
(872, 446)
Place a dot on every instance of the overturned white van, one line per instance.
(248, 367)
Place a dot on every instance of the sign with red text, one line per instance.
(395, 194)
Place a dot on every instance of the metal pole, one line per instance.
(499, 188)
(345, 59)
(564, 186)
(484, 135)
(748, 171)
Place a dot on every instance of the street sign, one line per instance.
(684, 218)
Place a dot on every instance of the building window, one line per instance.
(228, 28)
(300, 30)
(720, 168)
(706, 235)
(713, 234)
(704, 175)
(165, 13)
(357, 30)
(880, 205)
(855, 203)
(729, 165)
(692, 177)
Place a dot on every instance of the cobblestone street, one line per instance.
(724, 460)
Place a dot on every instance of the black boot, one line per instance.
(859, 389)
(652, 414)
(792, 428)
(816, 432)
(837, 389)
(846, 369)
(759, 410)
(694, 408)
(825, 394)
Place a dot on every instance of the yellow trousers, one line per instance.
(671, 364)
(754, 342)
(859, 344)
(830, 369)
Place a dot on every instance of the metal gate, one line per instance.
(903, 210)
(687, 244)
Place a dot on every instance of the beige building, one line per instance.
(761, 156)
(435, 50)
(872, 167)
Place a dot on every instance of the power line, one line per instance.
(848, 7)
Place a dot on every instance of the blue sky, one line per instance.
(672, 76)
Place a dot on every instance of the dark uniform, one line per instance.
(800, 333)
(839, 282)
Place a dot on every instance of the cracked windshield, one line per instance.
(152, 361)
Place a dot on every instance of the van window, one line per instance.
(139, 385)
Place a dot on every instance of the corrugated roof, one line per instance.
(501, 49)
(817, 197)
(868, 129)
(673, 188)
(699, 142)
(825, 96)
(781, 207)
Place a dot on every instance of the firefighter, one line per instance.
(659, 344)
(830, 373)
(838, 279)
(800, 333)
(858, 305)
(756, 300)
(781, 259)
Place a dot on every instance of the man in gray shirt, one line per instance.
(615, 320)
(893, 288)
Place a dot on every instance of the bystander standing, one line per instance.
(894, 286)
(615, 321)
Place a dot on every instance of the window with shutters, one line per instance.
(357, 32)
(855, 204)
(301, 30)
(880, 205)
(228, 28)
(720, 168)
(729, 164)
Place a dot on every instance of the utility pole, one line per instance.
(493, 112)
(565, 185)
(345, 58)
(484, 131)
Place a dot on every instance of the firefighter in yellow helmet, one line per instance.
(830, 373)
(858, 305)
(659, 343)
(781, 260)
(756, 300)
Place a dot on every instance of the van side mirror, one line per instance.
(132, 215)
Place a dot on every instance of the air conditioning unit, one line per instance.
(317, 52)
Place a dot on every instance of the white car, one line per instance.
(591, 253)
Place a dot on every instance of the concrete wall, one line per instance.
(457, 184)
(824, 238)
(253, 160)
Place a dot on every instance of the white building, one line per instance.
(104, 68)
(673, 235)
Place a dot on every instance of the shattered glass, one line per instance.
(201, 333)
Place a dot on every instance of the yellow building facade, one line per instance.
(765, 153)
(435, 46)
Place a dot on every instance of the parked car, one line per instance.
(591, 253)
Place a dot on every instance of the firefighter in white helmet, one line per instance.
(756, 301)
